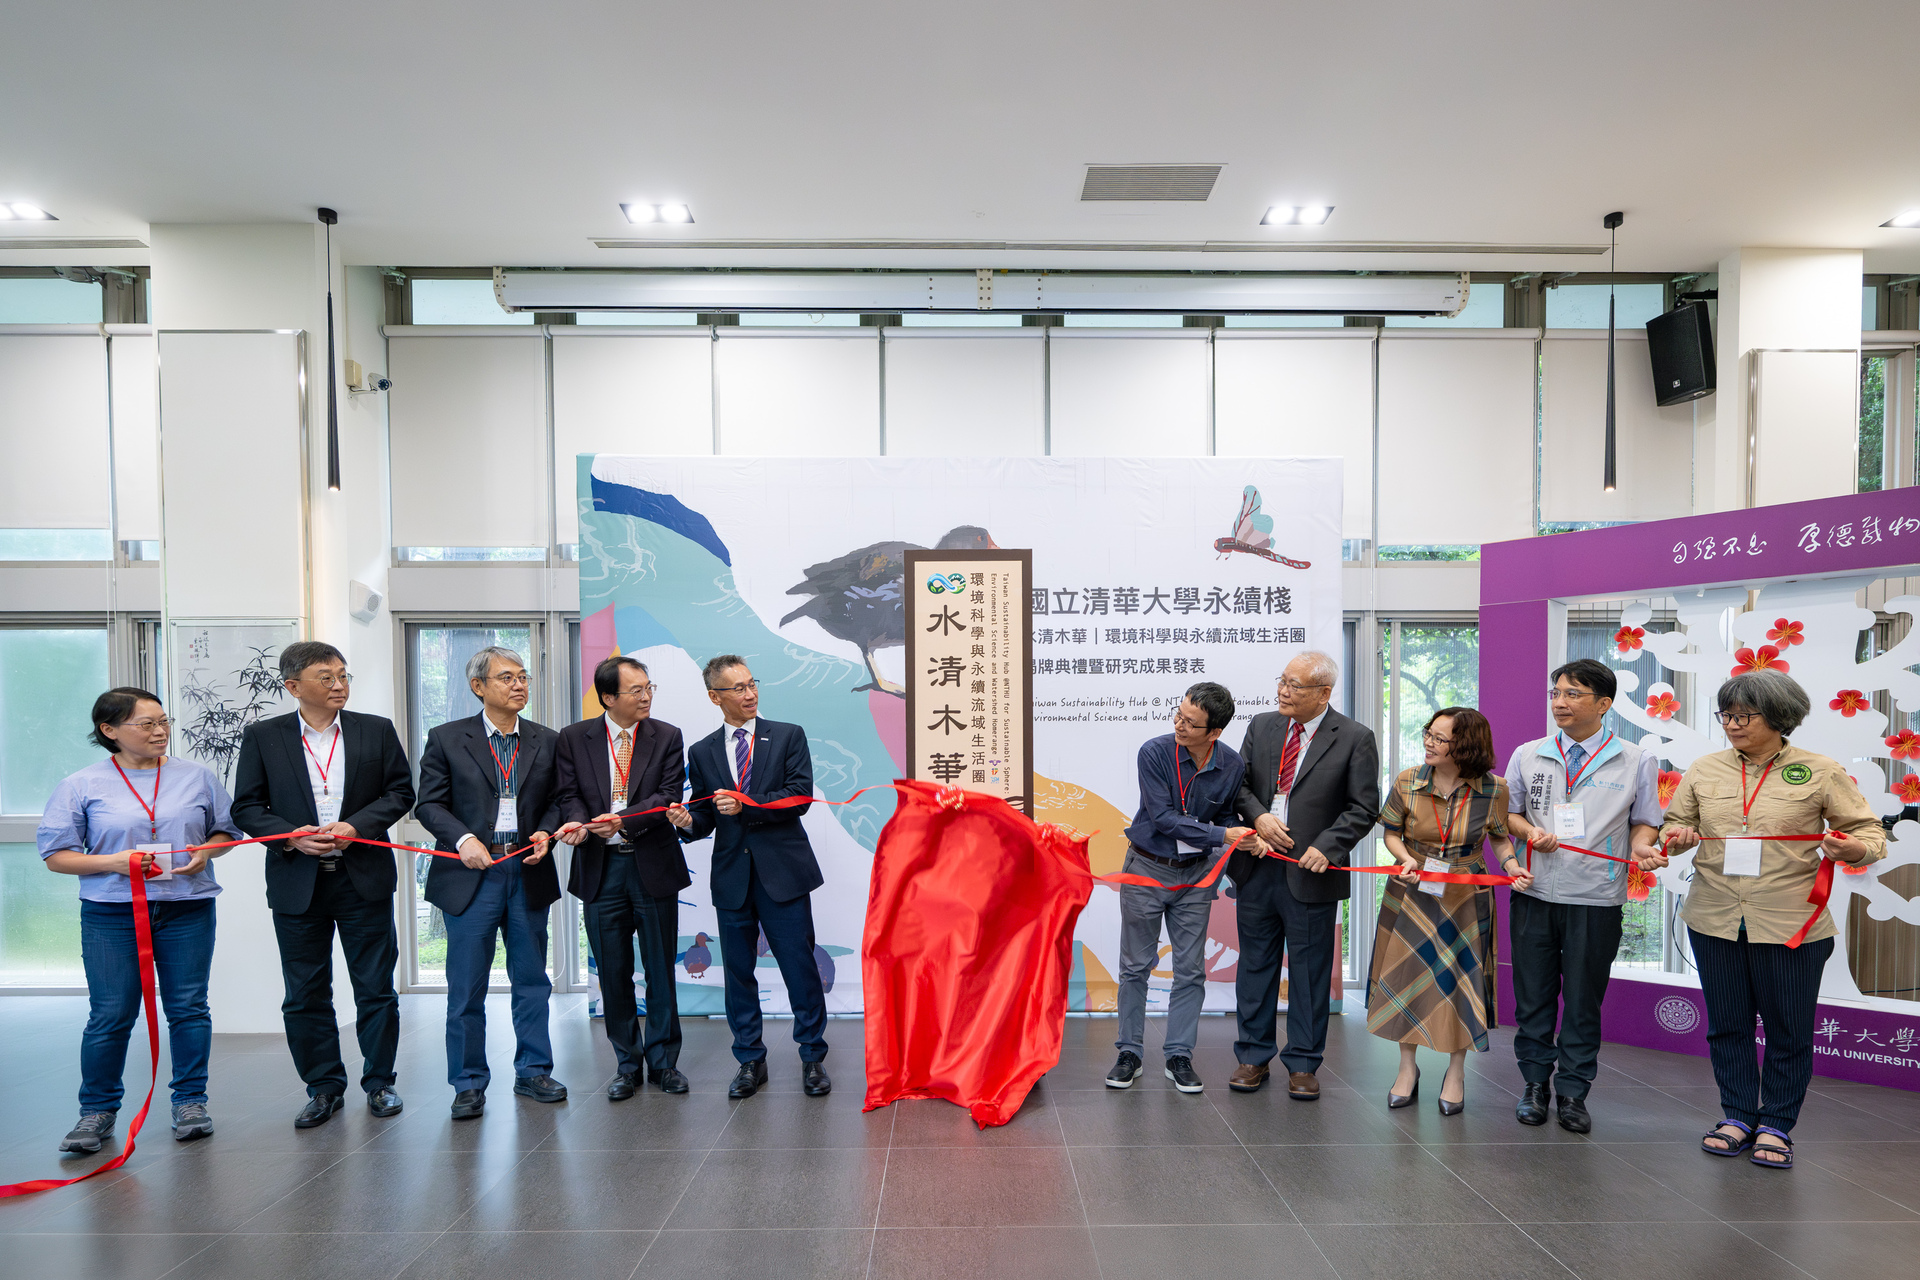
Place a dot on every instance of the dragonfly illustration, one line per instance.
(1253, 533)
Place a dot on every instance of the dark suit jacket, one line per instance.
(658, 777)
(1334, 804)
(772, 843)
(459, 794)
(272, 795)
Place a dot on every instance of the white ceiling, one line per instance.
(506, 133)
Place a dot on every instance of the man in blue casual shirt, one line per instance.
(1189, 780)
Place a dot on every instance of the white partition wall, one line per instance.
(626, 391)
(1143, 394)
(53, 427)
(1653, 447)
(966, 392)
(786, 391)
(467, 421)
(1456, 435)
(133, 364)
(1806, 422)
(1298, 395)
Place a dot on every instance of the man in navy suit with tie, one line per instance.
(763, 869)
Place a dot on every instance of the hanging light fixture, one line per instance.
(1612, 223)
(329, 217)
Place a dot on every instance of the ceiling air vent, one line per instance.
(1149, 181)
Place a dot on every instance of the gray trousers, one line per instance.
(1185, 913)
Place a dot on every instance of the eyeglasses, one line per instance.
(342, 681)
(148, 726)
(1198, 726)
(1288, 682)
(751, 686)
(1568, 695)
(1433, 739)
(639, 691)
(512, 679)
(1736, 719)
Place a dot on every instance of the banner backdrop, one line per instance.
(1148, 575)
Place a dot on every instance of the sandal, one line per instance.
(1732, 1146)
(1784, 1152)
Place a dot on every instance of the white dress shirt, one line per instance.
(326, 757)
(1307, 729)
(616, 786)
(733, 762)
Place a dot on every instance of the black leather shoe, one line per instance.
(747, 1081)
(1395, 1101)
(668, 1079)
(621, 1087)
(540, 1088)
(1180, 1071)
(384, 1102)
(319, 1109)
(813, 1080)
(469, 1103)
(1532, 1107)
(1573, 1115)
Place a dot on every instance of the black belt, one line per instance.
(1168, 862)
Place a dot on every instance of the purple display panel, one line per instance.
(1864, 533)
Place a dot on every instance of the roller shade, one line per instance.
(782, 392)
(1653, 447)
(1130, 394)
(966, 393)
(136, 459)
(1456, 436)
(1299, 395)
(467, 429)
(634, 393)
(53, 428)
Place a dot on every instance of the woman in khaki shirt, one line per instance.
(1748, 899)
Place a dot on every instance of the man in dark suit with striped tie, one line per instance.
(763, 868)
(1312, 792)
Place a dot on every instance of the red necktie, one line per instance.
(1289, 761)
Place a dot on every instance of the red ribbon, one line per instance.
(143, 937)
(1822, 879)
(1440, 877)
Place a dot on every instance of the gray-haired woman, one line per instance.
(1758, 951)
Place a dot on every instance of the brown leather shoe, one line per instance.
(1248, 1077)
(1303, 1085)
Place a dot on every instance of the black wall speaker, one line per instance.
(1680, 344)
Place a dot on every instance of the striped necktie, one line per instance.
(1289, 760)
(742, 758)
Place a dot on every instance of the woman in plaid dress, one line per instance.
(1432, 981)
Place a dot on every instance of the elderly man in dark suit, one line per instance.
(324, 777)
(628, 872)
(487, 787)
(763, 869)
(1312, 792)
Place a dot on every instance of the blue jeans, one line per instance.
(182, 959)
(499, 907)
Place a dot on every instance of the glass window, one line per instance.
(801, 319)
(1431, 551)
(964, 320)
(1125, 322)
(50, 300)
(635, 317)
(1438, 665)
(1486, 309)
(1869, 308)
(48, 681)
(1871, 456)
(39, 922)
(432, 554)
(1584, 306)
(461, 302)
(1285, 322)
(56, 544)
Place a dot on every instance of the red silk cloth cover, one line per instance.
(969, 944)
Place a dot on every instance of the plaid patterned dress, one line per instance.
(1432, 980)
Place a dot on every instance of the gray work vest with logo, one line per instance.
(1605, 794)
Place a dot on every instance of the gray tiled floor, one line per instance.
(1084, 1181)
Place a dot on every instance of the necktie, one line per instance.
(622, 763)
(1576, 756)
(1289, 760)
(742, 757)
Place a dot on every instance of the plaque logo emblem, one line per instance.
(1677, 1014)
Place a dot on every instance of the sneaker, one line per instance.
(95, 1127)
(1125, 1071)
(1180, 1071)
(190, 1121)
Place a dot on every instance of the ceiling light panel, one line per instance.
(638, 212)
(1911, 218)
(1297, 215)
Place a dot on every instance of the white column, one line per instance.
(1797, 313)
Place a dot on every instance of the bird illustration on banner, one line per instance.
(1253, 534)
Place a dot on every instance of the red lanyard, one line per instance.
(1747, 801)
(620, 775)
(1180, 782)
(506, 770)
(152, 810)
(1446, 832)
(326, 768)
(1573, 779)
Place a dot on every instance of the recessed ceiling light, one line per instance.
(1288, 215)
(657, 212)
(1911, 218)
(31, 212)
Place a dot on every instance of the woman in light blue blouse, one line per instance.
(140, 802)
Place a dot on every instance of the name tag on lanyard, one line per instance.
(1570, 821)
(162, 859)
(328, 807)
(1438, 888)
(1742, 858)
(508, 816)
